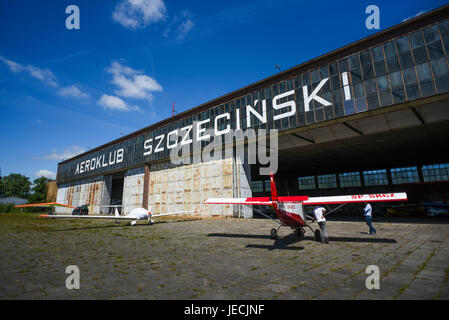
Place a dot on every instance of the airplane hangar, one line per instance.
(370, 117)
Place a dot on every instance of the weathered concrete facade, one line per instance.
(170, 189)
(133, 189)
(88, 192)
(185, 188)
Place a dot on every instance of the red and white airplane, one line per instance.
(289, 209)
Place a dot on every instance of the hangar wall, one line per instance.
(133, 189)
(88, 191)
(171, 189)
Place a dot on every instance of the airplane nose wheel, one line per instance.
(274, 234)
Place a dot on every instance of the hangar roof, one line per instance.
(385, 35)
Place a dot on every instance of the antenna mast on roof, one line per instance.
(173, 112)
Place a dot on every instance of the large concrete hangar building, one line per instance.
(370, 117)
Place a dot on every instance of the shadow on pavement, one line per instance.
(120, 225)
(420, 220)
(284, 242)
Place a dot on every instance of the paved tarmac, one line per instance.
(220, 259)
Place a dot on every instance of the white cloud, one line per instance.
(137, 14)
(185, 27)
(45, 173)
(417, 14)
(44, 75)
(73, 91)
(132, 83)
(65, 154)
(115, 103)
(13, 66)
(181, 24)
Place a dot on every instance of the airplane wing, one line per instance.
(378, 197)
(45, 205)
(170, 213)
(112, 217)
(261, 201)
(69, 216)
(293, 199)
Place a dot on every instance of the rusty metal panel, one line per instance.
(185, 188)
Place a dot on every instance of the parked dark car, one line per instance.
(81, 211)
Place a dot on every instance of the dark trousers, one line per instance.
(369, 221)
(323, 229)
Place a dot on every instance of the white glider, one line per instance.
(135, 215)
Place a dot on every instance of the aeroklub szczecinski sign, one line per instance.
(156, 144)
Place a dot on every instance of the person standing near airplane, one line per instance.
(319, 216)
(368, 213)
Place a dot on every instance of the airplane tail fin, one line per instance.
(116, 212)
(274, 195)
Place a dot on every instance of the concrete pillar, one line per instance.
(146, 186)
(106, 197)
(242, 183)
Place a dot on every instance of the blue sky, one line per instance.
(67, 91)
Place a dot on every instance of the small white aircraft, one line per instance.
(135, 214)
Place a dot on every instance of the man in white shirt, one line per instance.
(368, 213)
(319, 216)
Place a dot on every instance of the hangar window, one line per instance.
(356, 73)
(327, 181)
(444, 29)
(411, 84)
(324, 72)
(425, 79)
(405, 56)
(435, 172)
(267, 185)
(391, 57)
(306, 183)
(257, 186)
(433, 42)
(367, 67)
(418, 48)
(350, 179)
(397, 87)
(384, 91)
(375, 177)
(298, 82)
(404, 175)
(343, 64)
(379, 62)
(441, 74)
(315, 77)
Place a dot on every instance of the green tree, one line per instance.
(2, 192)
(39, 189)
(16, 185)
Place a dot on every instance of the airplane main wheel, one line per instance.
(318, 235)
(274, 234)
(300, 232)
